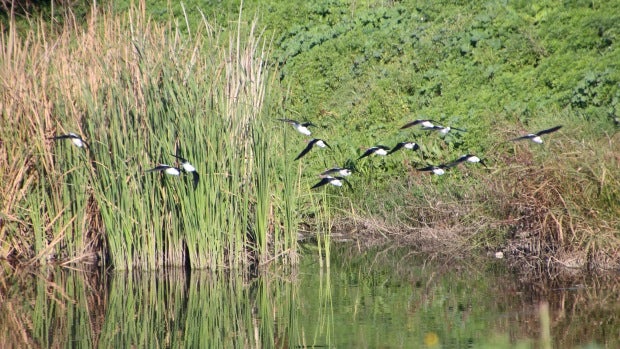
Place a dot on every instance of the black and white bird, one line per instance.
(335, 181)
(76, 139)
(437, 170)
(189, 168)
(340, 171)
(376, 150)
(406, 145)
(301, 127)
(425, 123)
(167, 169)
(318, 142)
(535, 137)
(467, 158)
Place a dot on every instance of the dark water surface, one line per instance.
(385, 299)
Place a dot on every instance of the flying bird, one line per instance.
(535, 137)
(426, 124)
(343, 172)
(406, 145)
(468, 158)
(318, 142)
(301, 127)
(335, 181)
(76, 139)
(377, 150)
(189, 168)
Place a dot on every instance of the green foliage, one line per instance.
(141, 98)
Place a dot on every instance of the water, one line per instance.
(388, 299)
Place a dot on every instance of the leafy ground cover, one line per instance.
(360, 70)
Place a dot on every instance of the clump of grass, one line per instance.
(139, 92)
(555, 204)
(564, 207)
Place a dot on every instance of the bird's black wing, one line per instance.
(180, 158)
(396, 147)
(322, 182)
(61, 137)
(330, 171)
(346, 182)
(457, 161)
(367, 152)
(549, 130)
(161, 167)
(416, 122)
(305, 151)
(427, 168)
(196, 178)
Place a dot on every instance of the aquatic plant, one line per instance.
(139, 93)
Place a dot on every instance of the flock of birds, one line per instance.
(183, 165)
(334, 176)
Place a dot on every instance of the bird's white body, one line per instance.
(188, 167)
(173, 171)
(320, 144)
(76, 140)
(444, 131)
(380, 151)
(536, 139)
(335, 181)
(439, 171)
(303, 130)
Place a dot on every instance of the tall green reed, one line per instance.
(140, 92)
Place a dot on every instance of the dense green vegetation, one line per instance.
(139, 92)
(361, 69)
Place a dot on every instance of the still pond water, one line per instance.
(385, 299)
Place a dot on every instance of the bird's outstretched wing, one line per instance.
(160, 167)
(424, 122)
(322, 182)
(549, 130)
(367, 152)
(397, 147)
(196, 178)
(305, 151)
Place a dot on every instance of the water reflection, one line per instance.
(388, 299)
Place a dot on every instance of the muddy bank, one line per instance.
(523, 250)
